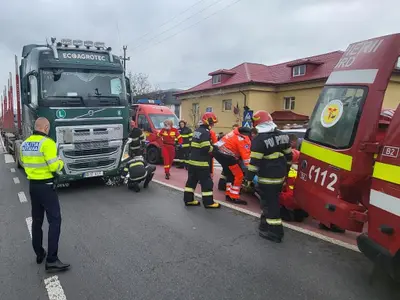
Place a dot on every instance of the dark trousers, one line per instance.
(196, 175)
(44, 199)
(183, 156)
(271, 215)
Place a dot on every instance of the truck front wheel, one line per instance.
(153, 155)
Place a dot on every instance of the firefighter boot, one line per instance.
(167, 176)
(213, 205)
(273, 234)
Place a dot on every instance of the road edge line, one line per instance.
(54, 288)
(287, 225)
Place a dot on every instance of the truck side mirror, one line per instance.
(32, 73)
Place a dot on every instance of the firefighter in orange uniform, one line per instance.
(168, 135)
(229, 152)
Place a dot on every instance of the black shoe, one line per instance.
(40, 258)
(56, 266)
(270, 236)
(236, 201)
(147, 181)
(167, 176)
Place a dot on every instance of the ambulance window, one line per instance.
(336, 116)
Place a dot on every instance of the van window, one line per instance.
(143, 123)
(158, 120)
(335, 118)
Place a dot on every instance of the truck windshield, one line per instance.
(86, 84)
(335, 118)
(158, 120)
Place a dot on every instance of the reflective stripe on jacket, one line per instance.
(39, 157)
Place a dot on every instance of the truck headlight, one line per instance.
(125, 152)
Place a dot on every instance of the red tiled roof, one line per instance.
(275, 74)
(287, 115)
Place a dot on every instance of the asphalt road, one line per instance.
(124, 245)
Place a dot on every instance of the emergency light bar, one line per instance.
(88, 44)
(66, 42)
(148, 101)
(77, 43)
(99, 45)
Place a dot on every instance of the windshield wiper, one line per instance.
(70, 99)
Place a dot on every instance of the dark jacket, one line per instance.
(271, 157)
(201, 147)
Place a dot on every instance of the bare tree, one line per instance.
(140, 84)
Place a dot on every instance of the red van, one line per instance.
(149, 115)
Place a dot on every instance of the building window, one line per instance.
(299, 70)
(288, 103)
(226, 105)
(216, 79)
(195, 108)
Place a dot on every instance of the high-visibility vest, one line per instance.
(39, 157)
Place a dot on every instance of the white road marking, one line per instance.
(29, 225)
(8, 158)
(12, 170)
(54, 288)
(22, 197)
(2, 143)
(16, 180)
(290, 226)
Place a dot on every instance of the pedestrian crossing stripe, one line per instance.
(247, 124)
(248, 116)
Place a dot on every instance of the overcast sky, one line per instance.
(204, 35)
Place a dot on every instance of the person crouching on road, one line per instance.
(138, 170)
(41, 163)
(271, 158)
(230, 151)
(183, 152)
(199, 165)
(168, 135)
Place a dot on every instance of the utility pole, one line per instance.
(124, 58)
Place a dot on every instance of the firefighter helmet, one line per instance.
(261, 116)
(209, 118)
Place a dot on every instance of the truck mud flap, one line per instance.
(380, 256)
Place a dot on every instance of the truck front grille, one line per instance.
(90, 165)
(90, 147)
(88, 152)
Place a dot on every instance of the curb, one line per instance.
(285, 224)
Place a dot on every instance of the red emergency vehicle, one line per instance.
(347, 175)
(149, 115)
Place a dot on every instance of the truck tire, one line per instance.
(153, 155)
(17, 144)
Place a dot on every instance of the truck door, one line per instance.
(384, 209)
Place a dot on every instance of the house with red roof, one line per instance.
(289, 91)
